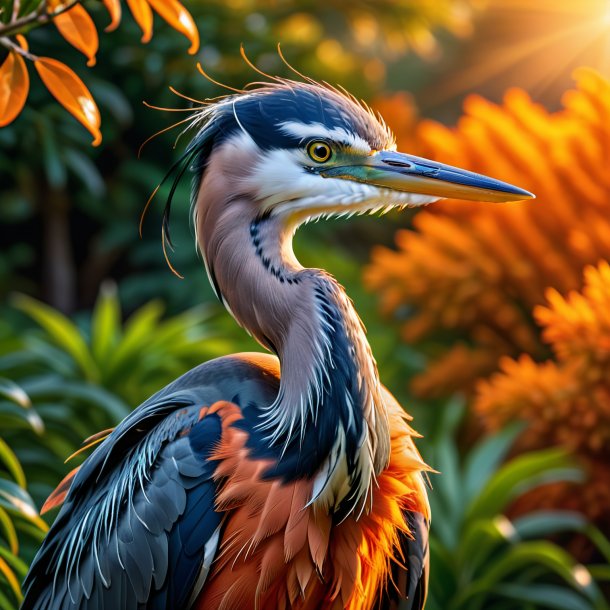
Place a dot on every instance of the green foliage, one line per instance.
(85, 377)
(480, 558)
(20, 525)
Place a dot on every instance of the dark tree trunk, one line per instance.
(59, 273)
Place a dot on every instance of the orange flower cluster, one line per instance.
(77, 27)
(476, 271)
(565, 401)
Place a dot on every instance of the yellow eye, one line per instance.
(319, 151)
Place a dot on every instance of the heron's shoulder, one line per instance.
(239, 378)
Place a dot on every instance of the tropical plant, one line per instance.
(21, 529)
(480, 558)
(478, 275)
(475, 272)
(565, 400)
(84, 378)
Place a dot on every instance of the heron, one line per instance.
(287, 479)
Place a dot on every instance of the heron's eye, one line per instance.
(319, 151)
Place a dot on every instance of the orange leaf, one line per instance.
(77, 27)
(70, 91)
(114, 9)
(143, 15)
(179, 18)
(14, 87)
(23, 43)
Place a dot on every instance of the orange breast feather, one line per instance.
(278, 553)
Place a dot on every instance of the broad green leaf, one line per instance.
(481, 539)
(105, 325)
(544, 596)
(485, 459)
(138, 329)
(62, 330)
(521, 474)
(513, 561)
(546, 523)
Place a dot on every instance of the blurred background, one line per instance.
(489, 323)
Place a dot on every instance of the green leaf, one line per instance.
(5, 603)
(8, 529)
(485, 458)
(11, 391)
(63, 332)
(12, 463)
(53, 164)
(601, 573)
(86, 171)
(520, 475)
(12, 416)
(16, 564)
(546, 523)
(105, 324)
(545, 596)
(481, 539)
(517, 557)
(138, 329)
(17, 500)
(13, 582)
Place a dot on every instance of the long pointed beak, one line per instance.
(408, 173)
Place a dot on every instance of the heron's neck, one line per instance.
(329, 404)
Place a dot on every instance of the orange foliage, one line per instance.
(478, 270)
(76, 26)
(71, 93)
(114, 10)
(565, 401)
(14, 87)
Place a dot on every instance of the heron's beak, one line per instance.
(401, 172)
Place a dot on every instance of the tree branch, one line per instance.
(34, 19)
(9, 44)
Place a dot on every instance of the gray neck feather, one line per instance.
(289, 310)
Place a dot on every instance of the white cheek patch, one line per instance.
(317, 130)
(279, 181)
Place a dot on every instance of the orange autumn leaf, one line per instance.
(71, 93)
(77, 27)
(142, 13)
(180, 19)
(23, 43)
(114, 10)
(14, 87)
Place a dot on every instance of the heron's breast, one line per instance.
(278, 550)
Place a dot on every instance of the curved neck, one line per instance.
(330, 395)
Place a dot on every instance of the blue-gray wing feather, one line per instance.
(138, 529)
(134, 537)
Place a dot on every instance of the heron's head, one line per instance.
(302, 150)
